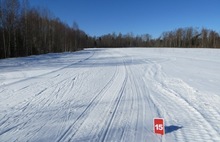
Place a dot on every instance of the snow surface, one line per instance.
(111, 95)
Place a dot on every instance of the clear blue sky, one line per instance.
(98, 17)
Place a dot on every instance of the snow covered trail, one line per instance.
(111, 95)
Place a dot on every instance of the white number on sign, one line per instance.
(159, 126)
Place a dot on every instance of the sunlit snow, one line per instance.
(111, 95)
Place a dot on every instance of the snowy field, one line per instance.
(111, 95)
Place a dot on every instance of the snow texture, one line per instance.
(111, 95)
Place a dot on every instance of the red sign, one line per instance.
(159, 126)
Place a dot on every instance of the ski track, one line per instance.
(110, 95)
(86, 111)
(204, 132)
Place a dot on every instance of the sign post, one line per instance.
(159, 127)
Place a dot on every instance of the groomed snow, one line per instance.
(111, 95)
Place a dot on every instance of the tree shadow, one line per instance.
(172, 128)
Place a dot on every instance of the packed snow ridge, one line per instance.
(111, 95)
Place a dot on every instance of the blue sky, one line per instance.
(98, 17)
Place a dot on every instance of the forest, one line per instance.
(26, 30)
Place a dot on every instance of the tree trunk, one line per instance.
(15, 43)
(9, 44)
(4, 46)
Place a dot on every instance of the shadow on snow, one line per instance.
(172, 128)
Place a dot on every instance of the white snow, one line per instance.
(111, 95)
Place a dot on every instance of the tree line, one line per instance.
(189, 37)
(182, 37)
(26, 30)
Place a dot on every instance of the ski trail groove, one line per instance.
(48, 73)
(88, 108)
(118, 100)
